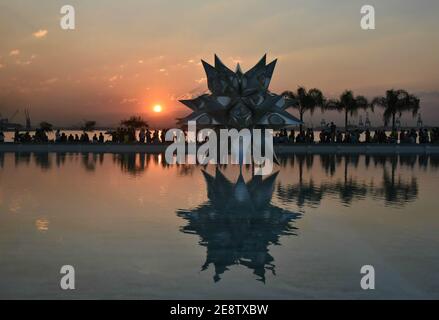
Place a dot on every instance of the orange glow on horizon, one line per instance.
(157, 108)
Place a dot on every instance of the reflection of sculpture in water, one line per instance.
(238, 223)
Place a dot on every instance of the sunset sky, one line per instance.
(125, 57)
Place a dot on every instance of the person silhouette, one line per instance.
(57, 136)
(148, 136)
(142, 135)
(16, 136)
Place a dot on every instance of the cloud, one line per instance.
(198, 91)
(14, 52)
(201, 80)
(23, 63)
(114, 78)
(164, 72)
(40, 33)
(129, 100)
(49, 81)
(236, 60)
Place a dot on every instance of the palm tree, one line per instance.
(89, 125)
(396, 102)
(134, 122)
(349, 104)
(46, 126)
(304, 100)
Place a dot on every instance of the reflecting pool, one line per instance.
(133, 226)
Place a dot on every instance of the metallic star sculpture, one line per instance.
(239, 100)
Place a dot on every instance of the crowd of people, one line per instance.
(128, 135)
(120, 135)
(330, 134)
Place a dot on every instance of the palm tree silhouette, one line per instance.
(46, 126)
(304, 100)
(349, 104)
(396, 102)
(135, 122)
(89, 125)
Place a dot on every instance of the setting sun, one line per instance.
(157, 108)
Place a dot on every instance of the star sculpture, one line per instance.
(239, 100)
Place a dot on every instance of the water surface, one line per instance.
(134, 227)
